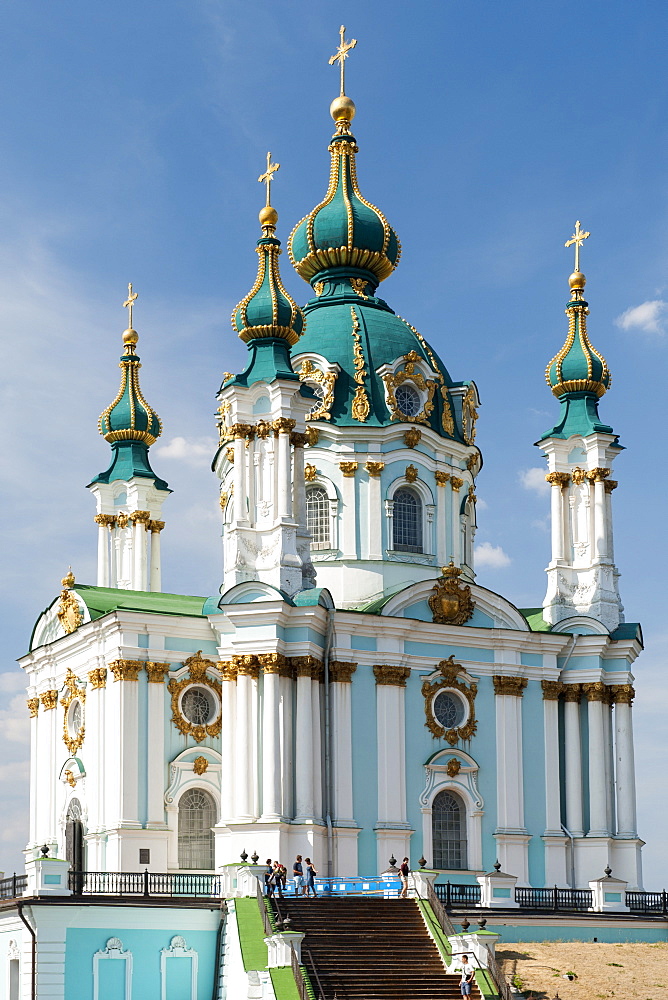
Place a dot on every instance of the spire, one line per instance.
(344, 232)
(268, 320)
(128, 423)
(578, 375)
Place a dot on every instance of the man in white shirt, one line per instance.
(468, 975)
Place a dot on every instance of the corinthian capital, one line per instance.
(510, 686)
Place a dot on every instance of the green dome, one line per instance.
(268, 310)
(129, 417)
(344, 230)
(360, 333)
(578, 367)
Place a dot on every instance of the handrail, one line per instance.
(264, 913)
(144, 884)
(300, 982)
(14, 886)
(315, 972)
(441, 915)
(219, 944)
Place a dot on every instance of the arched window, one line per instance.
(197, 814)
(317, 517)
(407, 522)
(448, 823)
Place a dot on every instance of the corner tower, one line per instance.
(580, 449)
(129, 494)
(260, 460)
(391, 463)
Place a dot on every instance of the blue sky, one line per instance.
(132, 137)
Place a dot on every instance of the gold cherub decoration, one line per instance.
(451, 602)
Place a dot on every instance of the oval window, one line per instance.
(198, 706)
(408, 400)
(449, 709)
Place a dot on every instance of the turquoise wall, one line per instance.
(608, 933)
(145, 945)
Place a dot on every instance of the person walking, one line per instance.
(468, 974)
(298, 876)
(269, 879)
(280, 872)
(310, 877)
(404, 872)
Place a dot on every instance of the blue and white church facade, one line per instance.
(351, 693)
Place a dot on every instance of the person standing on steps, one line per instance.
(310, 877)
(280, 874)
(298, 876)
(404, 872)
(269, 879)
(468, 974)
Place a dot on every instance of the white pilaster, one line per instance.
(271, 743)
(511, 836)
(597, 790)
(156, 569)
(102, 550)
(442, 554)
(551, 744)
(600, 521)
(374, 515)
(304, 805)
(317, 746)
(342, 746)
(625, 763)
(348, 521)
(573, 754)
(287, 745)
(244, 773)
(34, 790)
(240, 492)
(392, 831)
(284, 473)
(155, 725)
(455, 528)
(228, 742)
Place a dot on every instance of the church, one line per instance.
(351, 694)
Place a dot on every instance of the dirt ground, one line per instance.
(631, 971)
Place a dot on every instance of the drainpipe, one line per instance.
(31, 931)
(329, 631)
(568, 833)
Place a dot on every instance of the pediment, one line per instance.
(490, 610)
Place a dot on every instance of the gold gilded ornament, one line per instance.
(469, 415)
(69, 613)
(411, 473)
(441, 477)
(374, 468)
(412, 437)
(200, 764)
(33, 706)
(197, 669)
(69, 778)
(348, 469)
(360, 406)
(73, 742)
(453, 767)
(448, 682)
(451, 602)
(310, 472)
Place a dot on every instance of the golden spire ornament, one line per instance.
(130, 336)
(268, 215)
(341, 55)
(578, 238)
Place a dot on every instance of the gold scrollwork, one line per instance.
(511, 687)
(33, 706)
(360, 408)
(156, 671)
(453, 767)
(448, 682)
(69, 613)
(70, 779)
(409, 374)
(388, 675)
(451, 602)
(578, 475)
(412, 437)
(197, 670)
(72, 694)
(348, 469)
(200, 765)
(552, 690)
(98, 677)
(610, 484)
(49, 699)
(306, 666)
(359, 285)
(126, 670)
(374, 468)
(310, 472)
(441, 477)
(341, 671)
(312, 436)
(623, 694)
(411, 474)
(469, 415)
(456, 483)
(308, 372)
(594, 691)
(560, 479)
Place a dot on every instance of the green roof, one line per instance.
(535, 620)
(101, 600)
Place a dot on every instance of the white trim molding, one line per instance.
(178, 948)
(113, 950)
(464, 783)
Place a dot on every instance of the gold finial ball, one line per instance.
(268, 216)
(130, 336)
(342, 109)
(68, 581)
(577, 280)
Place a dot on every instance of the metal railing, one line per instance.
(146, 884)
(648, 902)
(300, 982)
(12, 887)
(454, 894)
(554, 899)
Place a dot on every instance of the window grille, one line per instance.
(407, 522)
(197, 814)
(408, 400)
(448, 709)
(448, 825)
(317, 517)
(196, 706)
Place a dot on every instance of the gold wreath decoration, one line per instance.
(197, 671)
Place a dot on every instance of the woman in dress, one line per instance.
(310, 877)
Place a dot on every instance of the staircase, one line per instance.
(369, 949)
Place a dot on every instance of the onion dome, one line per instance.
(344, 230)
(129, 424)
(578, 375)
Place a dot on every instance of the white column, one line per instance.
(573, 761)
(50, 753)
(596, 755)
(244, 777)
(342, 741)
(551, 691)
(128, 722)
(391, 742)
(456, 528)
(442, 554)
(284, 471)
(228, 740)
(156, 740)
(34, 709)
(626, 788)
(557, 482)
(140, 543)
(271, 738)
(609, 763)
(317, 744)
(509, 764)
(298, 483)
(102, 521)
(156, 567)
(374, 509)
(600, 547)
(287, 745)
(348, 522)
(240, 513)
(304, 741)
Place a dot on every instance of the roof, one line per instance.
(101, 600)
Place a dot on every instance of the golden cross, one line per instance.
(342, 54)
(579, 236)
(267, 177)
(129, 302)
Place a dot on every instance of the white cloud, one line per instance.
(193, 451)
(648, 317)
(490, 555)
(534, 479)
(482, 504)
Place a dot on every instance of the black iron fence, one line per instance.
(648, 902)
(12, 887)
(145, 884)
(554, 899)
(453, 894)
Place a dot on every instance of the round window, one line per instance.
(75, 718)
(449, 709)
(408, 400)
(198, 706)
(319, 391)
